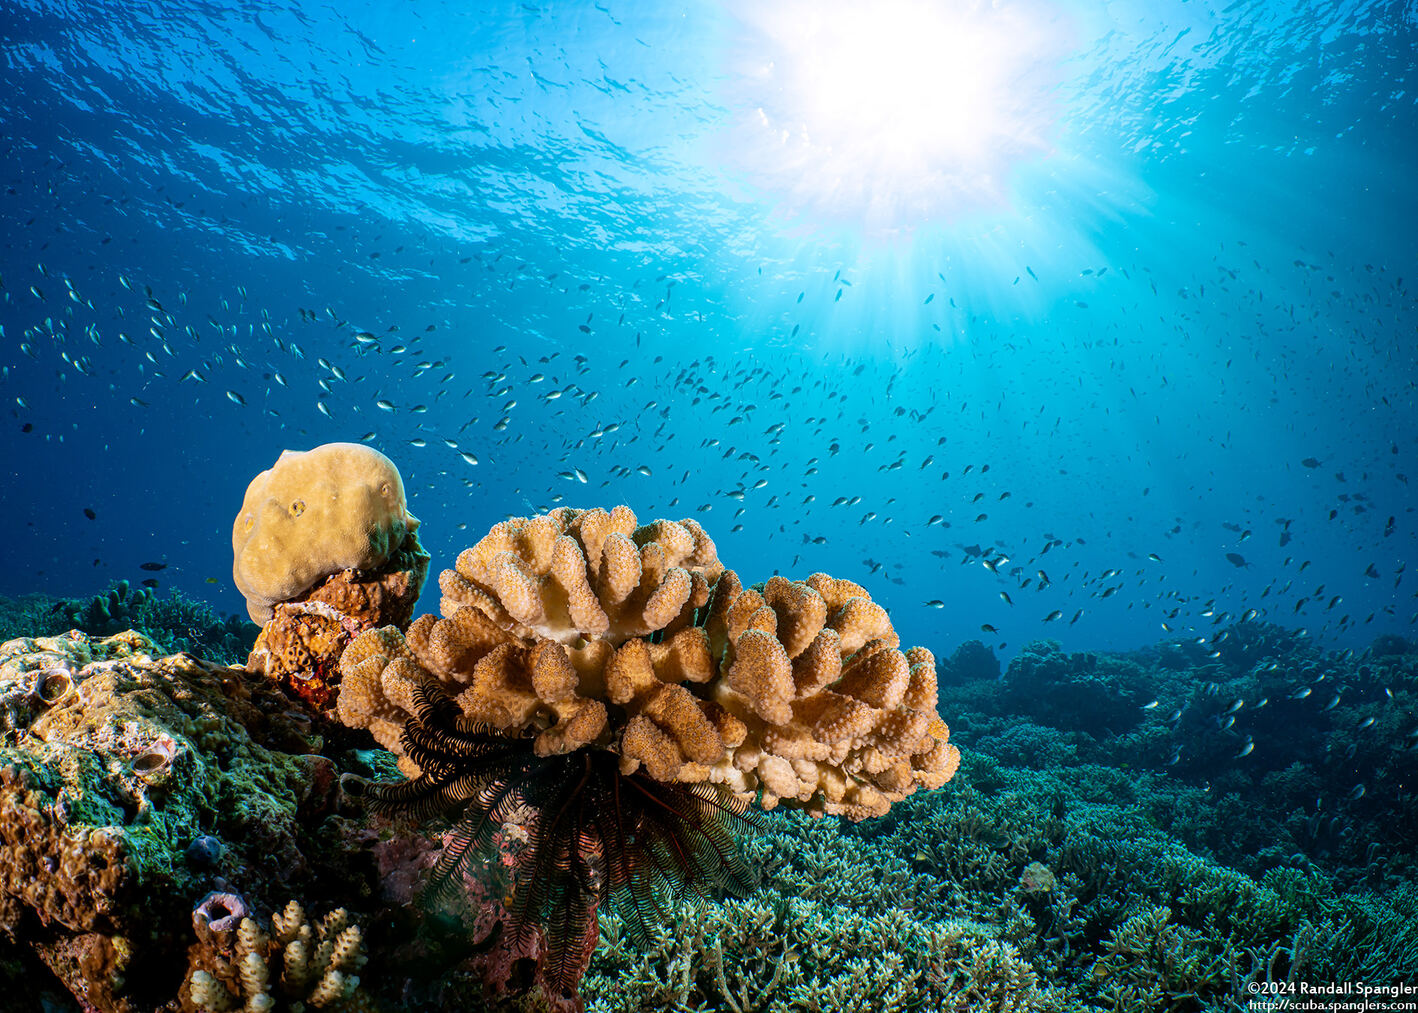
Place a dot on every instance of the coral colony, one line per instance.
(606, 684)
(555, 793)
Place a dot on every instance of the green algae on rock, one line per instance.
(131, 786)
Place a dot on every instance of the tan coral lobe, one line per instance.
(582, 628)
(324, 548)
(312, 514)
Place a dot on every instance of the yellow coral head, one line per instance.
(315, 513)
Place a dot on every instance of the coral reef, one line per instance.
(1098, 693)
(131, 783)
(598, 711)
(173, 622)
(972, 660)
(1066, 869)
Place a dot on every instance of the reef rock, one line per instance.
(133, 787)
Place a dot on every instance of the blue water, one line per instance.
(1193, 276)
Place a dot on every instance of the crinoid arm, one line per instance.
(594, 834)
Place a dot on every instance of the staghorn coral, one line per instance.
(776, 952)
(285, 965)
(324, 548)
(1154, 964)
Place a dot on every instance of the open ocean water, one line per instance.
(1082, 335)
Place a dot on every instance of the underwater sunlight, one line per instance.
(896, 115)
(617, 507)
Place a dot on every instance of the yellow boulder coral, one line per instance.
(315, 513)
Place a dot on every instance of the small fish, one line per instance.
(383, 405)
(1331, 705)
(1234, 707)
(469, 456)
(1151, 706)
(1357, 793)
(235, 397)
(89, 513)
(152, 567)
(987, 628)
(1368, 722)
(1310, 462)
(935, 603)
(1247, 749)
(1058, 614)
(213, 580)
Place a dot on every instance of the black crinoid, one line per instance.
(594, 835)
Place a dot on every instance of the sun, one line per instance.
(892, 113)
